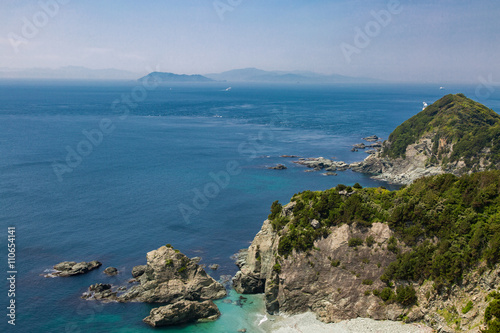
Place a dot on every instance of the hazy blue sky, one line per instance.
(439, 41)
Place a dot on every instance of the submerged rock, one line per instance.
(70, 268)
(278, 167)
(182, 312)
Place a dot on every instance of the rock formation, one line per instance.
(70, 268)
(168, 277)
(182, 312)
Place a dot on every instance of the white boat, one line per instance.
(228, 88)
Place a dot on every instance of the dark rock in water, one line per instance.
(329, 174)
(213, 267)
(138, 270)
(371, 138)
(278, 167)
(100, 291)
(110, 271)
(182, 312)
(359, 146)
(289, 156)
(243, 330)
(371, 151)
(354, 150)
(70, 268)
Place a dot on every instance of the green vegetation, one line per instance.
(492, 314)
(181, 269)
(406, 295)
(368, 282)
(454, 119)
(353, 242)
(369, 241)
(169, 262)
(461, 215)
(277, 268)
(335, 263)
(169, 246)
(468, 307)
(386, 294)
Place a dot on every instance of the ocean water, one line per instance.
(179, 164)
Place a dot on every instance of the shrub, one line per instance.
(357, 186)
(169, 262)
(386, 294)
(335, 263)
(181, 269)
(369, 241)
(169, 246)
(355, 241)
(368, 282)
(406, 295)
(467, 307)
(275, 210)
(277, 268)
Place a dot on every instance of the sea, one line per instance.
(109, 171)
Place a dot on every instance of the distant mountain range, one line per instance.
(68, 72)
(161, 77)
(258, 75)
(235, 75)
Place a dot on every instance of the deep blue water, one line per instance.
(162, 148)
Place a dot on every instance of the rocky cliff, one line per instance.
(453, 135)
(426, 253)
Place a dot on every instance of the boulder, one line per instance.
(213, 267)
(138, 270)
(182, 312)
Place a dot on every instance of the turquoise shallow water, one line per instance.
(122, 200)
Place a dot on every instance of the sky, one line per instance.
(411, 41)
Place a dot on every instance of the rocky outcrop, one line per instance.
(401, 170)
(321, 163)
(333, 280)
(70, 268)
(182, 312)
(168, 277)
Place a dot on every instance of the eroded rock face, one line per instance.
(403, 170)
(168, 277)
(70, 268)
(330, 280)
(182, 312)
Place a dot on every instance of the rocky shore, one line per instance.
(172, 278)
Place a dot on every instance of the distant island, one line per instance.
(160, 77)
